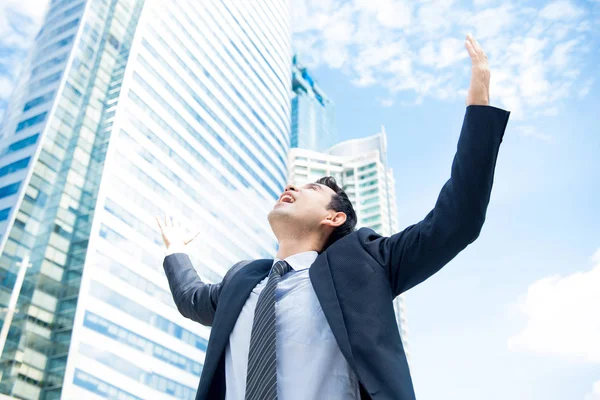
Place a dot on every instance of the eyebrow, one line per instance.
(315, 185)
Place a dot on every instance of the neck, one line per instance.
(290, 246)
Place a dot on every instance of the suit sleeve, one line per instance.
(194, 299)
(413, 255)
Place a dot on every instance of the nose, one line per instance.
(291, 188)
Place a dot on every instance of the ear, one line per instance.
(334, 219)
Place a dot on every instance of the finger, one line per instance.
(477, 46)
(192, 238)
(474, 44)
(471, 51)
(483, 55)
(160, 225)
(166, 220)
(471, 40)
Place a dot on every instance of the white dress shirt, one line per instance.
(310, 365)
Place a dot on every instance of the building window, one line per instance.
(4, 214)
(48, 80)
(374, 218)
(55, 46)
(13, 167)
(31, 121)
(9, 190)
(369, 183)
(49, 64)
(64, 28)
(370, 174)
(369, 192)
(28, 141)
(38, 100)
(102, 388)
(366, 167)
(372, 209)
(113, 42)
(370, 201)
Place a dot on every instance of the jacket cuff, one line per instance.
(176, 249)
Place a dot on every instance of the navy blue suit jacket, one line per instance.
(357, 277)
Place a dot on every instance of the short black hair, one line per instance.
(341, 203)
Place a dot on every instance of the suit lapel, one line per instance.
(234, 295)
(322, 281)
(231, 300)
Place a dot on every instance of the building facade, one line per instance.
(313, 119)
(360, 167)
(128, 109)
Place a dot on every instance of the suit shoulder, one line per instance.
(237, 267)
(367, 234)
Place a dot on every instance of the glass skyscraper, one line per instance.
(127, 109)
(360, 167)
(313, 118)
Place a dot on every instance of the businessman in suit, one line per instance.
(317, 321)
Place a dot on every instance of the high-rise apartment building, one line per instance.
(360, 166)
(127, 109)
(313, 123)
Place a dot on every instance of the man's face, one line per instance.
(306, 205)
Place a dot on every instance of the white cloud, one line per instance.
(493, 21)
(595, 394)
(560, 55)
(560, 10)
(562, 316)
(386, 102)
(393, 14)
(19, 22)
(482, 2)
(6, 86)
(587, 86)
(596, 257)
(536, 54)
(532, 131)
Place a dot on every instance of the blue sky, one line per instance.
(515, 315)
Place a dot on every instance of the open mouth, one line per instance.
(286, 198)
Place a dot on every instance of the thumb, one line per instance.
(192, 238)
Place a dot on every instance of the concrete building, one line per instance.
(127, 109)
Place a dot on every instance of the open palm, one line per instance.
(173, 233)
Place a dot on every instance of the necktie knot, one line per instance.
(281, 268)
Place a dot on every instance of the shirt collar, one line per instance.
(300, 261)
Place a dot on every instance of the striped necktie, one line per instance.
(261, 380)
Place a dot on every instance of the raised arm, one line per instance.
(194, 299)
(421, 250)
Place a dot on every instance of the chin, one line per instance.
(279, 212)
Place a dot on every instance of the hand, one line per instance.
(173, 234)
(479, 89)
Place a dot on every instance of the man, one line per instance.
(318, 321)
